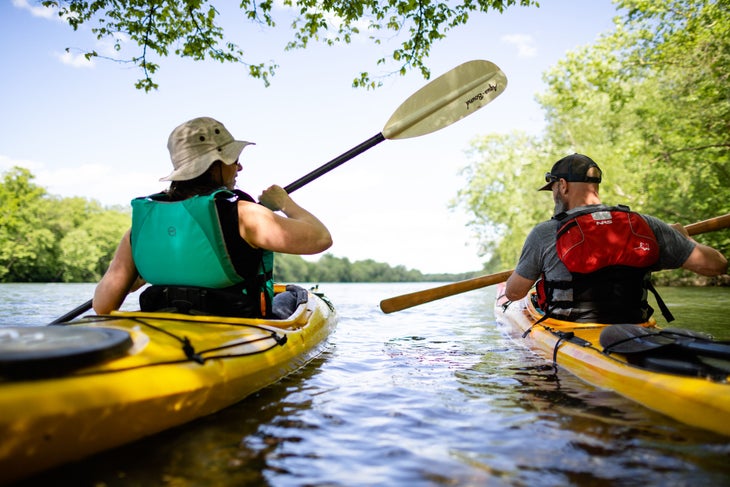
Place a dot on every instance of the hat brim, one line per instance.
(192, 169)
(547, 187)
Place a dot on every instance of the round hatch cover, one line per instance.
(43, 351)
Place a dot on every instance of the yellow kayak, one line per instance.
(679, 373)
(67, 392)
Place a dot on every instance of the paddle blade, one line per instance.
(447, 99)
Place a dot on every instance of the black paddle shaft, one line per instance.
(73, 313)
(371, 142)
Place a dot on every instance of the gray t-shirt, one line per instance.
(540, 256)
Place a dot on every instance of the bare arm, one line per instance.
(299, 232)
(517, 287)
(118, 281)
(706, 261)
(703, 260)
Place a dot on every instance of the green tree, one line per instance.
(503, 174)
(88, 248)
(79, 257)
(192, 28)
(46, 238)
(26, 243)
(332, 269)
(658, 85)
(291, 268)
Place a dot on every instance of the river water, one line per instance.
(436, 395)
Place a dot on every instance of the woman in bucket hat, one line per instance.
(203, 245)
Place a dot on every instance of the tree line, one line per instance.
(47, 238)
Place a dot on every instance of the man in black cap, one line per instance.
(592, 262)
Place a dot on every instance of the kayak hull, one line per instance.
(158, 384)
(697, 401)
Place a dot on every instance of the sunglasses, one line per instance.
(550, 178)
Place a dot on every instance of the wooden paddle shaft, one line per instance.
(419, 297)
(709, 225)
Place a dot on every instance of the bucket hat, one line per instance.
(198, 143)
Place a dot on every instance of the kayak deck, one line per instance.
(703, 402)
(176, 369)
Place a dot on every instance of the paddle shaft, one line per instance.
(404, 301)
(709, 225)
(337, 161)
(73, 313)
(420, 297)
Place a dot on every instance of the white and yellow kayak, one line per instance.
(67, 392)
(679, 373)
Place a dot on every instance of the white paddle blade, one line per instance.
(447, 99)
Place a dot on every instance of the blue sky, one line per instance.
(84, 130)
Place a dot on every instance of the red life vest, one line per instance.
(591, 241)
(608, 251)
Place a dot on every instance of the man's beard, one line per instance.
(560, 204)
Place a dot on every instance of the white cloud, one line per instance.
(6, 163)
(78, 60)
(75, 60)
(35, 10)
(103, 183)
(524, 43)
(50, 13)
(107, 47)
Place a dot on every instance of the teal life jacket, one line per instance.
(195, 243)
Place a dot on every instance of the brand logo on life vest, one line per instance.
(643, 247)
(602, 217)
(171, 231)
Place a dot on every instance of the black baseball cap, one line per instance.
(574, 169)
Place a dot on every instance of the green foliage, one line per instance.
(191, 28)
(293, 268)
(500, 165)
(648, 101)
(49, 239)
(24, 239)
